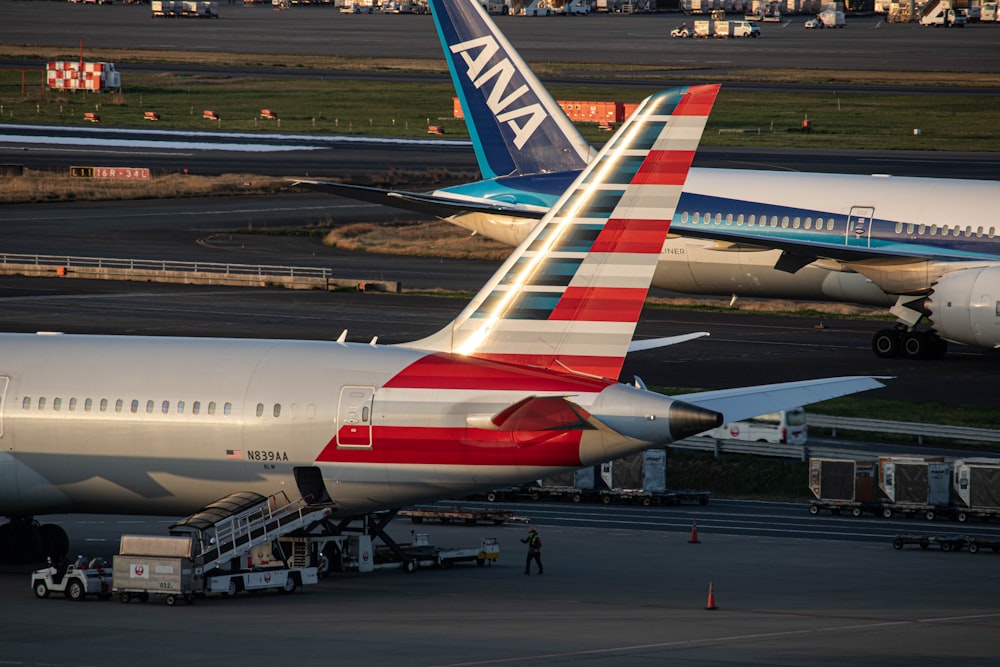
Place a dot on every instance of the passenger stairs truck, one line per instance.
(225, 548)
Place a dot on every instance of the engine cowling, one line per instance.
(964, 306)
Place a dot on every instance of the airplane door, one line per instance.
(859, 226)
(354, 417)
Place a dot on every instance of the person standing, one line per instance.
(534, 543)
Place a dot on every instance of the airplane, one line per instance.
(521, 385)
(925, 248)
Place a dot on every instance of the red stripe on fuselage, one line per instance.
(407, 445)
(632, 236)
(452, 371)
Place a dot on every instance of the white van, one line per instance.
(787, 427)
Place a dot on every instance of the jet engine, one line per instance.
(964, 306)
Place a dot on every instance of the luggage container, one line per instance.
(914, 485)
(842, 485)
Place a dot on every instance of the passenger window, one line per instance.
(180, 407)
(119, 404)
(696, 219)
(72, 404)
(729, 218)
(41, 403)
(899, 228)
(752, 220)
(739, 220)
(135, 406)
(149, 407)
(211, 408)
(921, 229)
(56, 403)
(196, 408)
(933, 231)
(992, 231)
(796, 222)
(26, 403)
(165, 407)
(227, 408)
(968, 231)
(718, 218)
(260, 409)
(774, 221)
(277, 409)
(684, 216)
(979, 232)
(784, 222)
(88, 405)
(829, 224)
(909, 228)
(104, 405)
(808, 224)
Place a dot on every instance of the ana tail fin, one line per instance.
(515, 125)
(568, 298)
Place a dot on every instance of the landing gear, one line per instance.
(22, 540)
(889, 343)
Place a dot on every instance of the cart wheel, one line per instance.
(973, 548)
(576, 498)
(491, 497)
(606, 500)
(646, 502)
(856, 512)
(929, 515)
(535, 496)
(962, 517)
(171, 600)
(946, 546)
(887, 512)
(409, 566)
(232, 589)
(290, 585)
(814, 509)
(74, 590)
(124, 598)
(143, 597)
(897, 543)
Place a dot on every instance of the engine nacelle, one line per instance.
(964, 306)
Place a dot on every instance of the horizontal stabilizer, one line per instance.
(652, 343)
(746, 402)
(427, 204)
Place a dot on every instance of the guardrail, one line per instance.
(921, 431)
(169, 271)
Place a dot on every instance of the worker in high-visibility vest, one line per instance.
(534, 543)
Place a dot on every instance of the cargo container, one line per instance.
(913, 485)
(976, 483)
(842, 485)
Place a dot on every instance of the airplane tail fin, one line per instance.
(568, 298)
(517, 128)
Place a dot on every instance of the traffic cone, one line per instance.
(710, 605)
(694, 532)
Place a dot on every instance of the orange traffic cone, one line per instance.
(710, 605)
(694, 532)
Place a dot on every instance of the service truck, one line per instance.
(786, 427)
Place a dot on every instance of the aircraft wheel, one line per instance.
(914, 345)
(885, 343)
(41, 590)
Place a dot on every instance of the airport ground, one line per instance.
(621, 590)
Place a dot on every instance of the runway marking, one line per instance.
(711, 641)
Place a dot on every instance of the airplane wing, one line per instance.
(746, 402)
(429, 204)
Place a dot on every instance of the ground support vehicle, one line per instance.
(946, 542)
(468, 516)
(358, 553)
(681, 497)
(974, 544)
(225, 548)
(930, 512)
(852, 507)
(74, 580)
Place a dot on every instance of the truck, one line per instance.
(988, 12)
(938, 13)
(184, 8)
(840, 485)
(786, 427)
(831, 18)
(227, 547)
(75, 580)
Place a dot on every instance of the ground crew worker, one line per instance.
(534, 543)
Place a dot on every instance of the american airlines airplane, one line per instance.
(926, 248)
(521, 385)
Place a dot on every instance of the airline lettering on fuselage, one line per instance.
(478, 54)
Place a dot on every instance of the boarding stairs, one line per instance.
(232, 526)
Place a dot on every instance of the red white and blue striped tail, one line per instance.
(568, 298)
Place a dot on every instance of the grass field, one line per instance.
(773, 119)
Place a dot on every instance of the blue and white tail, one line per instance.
(515, 125)
(568, 298)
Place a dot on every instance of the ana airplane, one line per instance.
(520, 386)
(925, 247)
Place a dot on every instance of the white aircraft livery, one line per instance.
(521, 385)
(926, 248)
